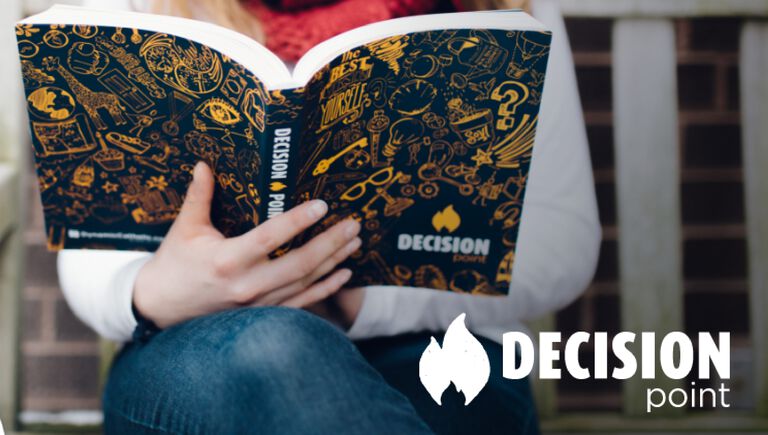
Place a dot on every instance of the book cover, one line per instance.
(425, 138)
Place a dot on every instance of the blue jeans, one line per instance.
(284, 371)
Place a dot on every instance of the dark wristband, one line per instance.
(145, 328)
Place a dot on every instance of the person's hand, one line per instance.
(197, 271)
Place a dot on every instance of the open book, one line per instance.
(421, 128)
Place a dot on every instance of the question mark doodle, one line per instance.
(511, 94)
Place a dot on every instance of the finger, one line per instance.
(321, 290)
(257, 243)
(263, 278)
(282, 294)
(301, 262)
(196, 209)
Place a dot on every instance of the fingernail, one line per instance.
(352, 228)
(196, 170)
(355, 244)
(317, 209)
(345, 275)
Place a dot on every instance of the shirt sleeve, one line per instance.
(98, 286)
(559, 237)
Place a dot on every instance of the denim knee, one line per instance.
(275, 342)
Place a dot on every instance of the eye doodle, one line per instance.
(413, 97)
(220, 112)
(51, 103)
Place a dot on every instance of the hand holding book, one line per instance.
(197, 271)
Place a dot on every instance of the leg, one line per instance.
(254, 370)
(503, 407)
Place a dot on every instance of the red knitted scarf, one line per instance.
(294, 26)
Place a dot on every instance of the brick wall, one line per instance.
(61, 355)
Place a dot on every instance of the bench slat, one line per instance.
(754, 100)
(648, 199)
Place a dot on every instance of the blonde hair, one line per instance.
(232, 14)
(227, 13)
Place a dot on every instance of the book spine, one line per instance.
(283, 134)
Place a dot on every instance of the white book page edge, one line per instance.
(264, 63)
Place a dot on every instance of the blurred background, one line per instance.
(60, 356)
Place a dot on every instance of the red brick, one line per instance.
(61, 376)
(31, 320)
(69, 327)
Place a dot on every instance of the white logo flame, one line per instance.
(462, 360)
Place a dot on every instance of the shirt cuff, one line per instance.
(378, 309)
(124, 321)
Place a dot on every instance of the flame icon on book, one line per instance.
(277, 186)
(462, 360)
(448, 219)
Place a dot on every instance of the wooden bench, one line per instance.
(648, 175)
(648, 199)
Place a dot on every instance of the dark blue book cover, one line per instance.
(425, 138)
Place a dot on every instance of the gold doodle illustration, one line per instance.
(193, 69)
(85, 31)
(55, 38)
(51, 103)
(33, 76)
(220, 112)
(323, 165)
(91, 101)
(401, 134)
(390, 50)
(28, 50)
(511, 95)
(85, 58)
(72, 136)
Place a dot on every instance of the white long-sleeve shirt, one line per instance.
(555, 259)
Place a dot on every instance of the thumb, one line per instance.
(196, 209)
